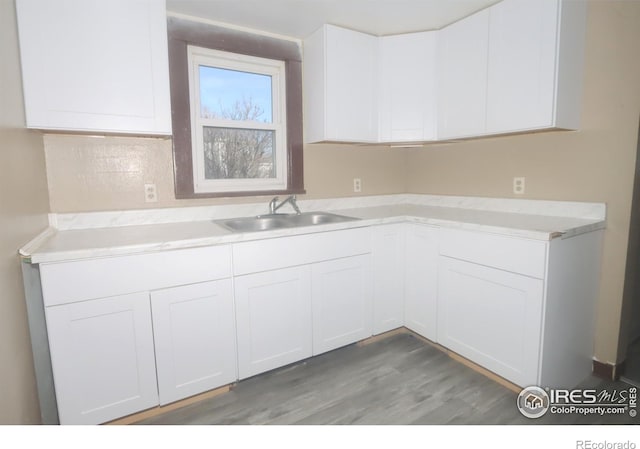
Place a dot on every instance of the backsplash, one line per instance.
(102, 173)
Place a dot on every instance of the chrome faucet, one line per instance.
(274, 206)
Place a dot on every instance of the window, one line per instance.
(238, 121)
(236, 111)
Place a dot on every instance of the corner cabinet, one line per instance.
(462, 77)
(340, 85)
(421, 279)
(388, 259)
(513, 67)
(407, 92)
(95, 66)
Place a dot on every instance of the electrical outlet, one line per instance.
(357, 185)
(150, 193)
(518, 185)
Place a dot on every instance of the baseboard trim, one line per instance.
(608, 371)
(160, 410)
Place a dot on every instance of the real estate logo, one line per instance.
(533, 402)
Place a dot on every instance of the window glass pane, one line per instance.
(232, 153)
(235, 95)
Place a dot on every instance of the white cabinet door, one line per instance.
(195, 338)
(462, 77)
(273, 311)
(536, 65)
(492, 317)
(94, 65)
(342, 302)
(407, 104)
(421, 280)
(102, 357)
(340, 86)
(388, 257)
(522, 65)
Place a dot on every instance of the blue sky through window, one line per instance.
(220, 89)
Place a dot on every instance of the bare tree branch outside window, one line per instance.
(234, 153)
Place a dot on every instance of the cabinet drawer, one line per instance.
(513, 254)
(68, 282)
(272, 254)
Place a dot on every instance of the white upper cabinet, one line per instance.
(535, 67)
(407, 102)
(95, 65)
(462, 77)
(516, 66)
(340, 86)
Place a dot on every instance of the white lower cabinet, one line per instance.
(301, 295)
(195, 338)
(102, 356)
(128, 333)
(421, 280)
(119, 355)
(273, 311)
(202, 318)
(342, 302)
(522, 308)
(388, 260)
(492, 317)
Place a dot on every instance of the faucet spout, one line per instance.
(274, 206)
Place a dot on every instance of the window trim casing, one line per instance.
(181, 33)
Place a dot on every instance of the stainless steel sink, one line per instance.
(280, 221)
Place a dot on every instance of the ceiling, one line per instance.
(300, 18)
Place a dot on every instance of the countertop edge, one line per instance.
(30, 254)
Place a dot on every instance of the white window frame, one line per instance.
(198, 56)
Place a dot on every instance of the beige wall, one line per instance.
(23, 208)
(108, 173)
(594, 164)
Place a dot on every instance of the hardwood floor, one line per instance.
(397, 380)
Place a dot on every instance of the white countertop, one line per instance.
(80, 236)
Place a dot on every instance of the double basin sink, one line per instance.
(272, 222)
